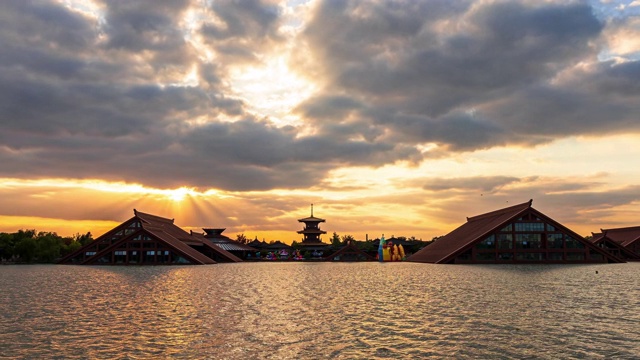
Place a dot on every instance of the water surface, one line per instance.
(320, 311)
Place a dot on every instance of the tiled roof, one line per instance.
(312, 231)
(233, 246)
(475, 228)
(599, 238)
(311, 219)
(350, 248)
(623, 236)
(167, 237)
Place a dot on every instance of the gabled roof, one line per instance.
(278, 245)
(166, 236)
(164, 230)
(623, 236)
(215, 237)
(475, 228)
(350, 248)
(600, 238)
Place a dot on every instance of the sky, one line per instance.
(392, 117)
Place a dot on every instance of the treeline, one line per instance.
(29, 246)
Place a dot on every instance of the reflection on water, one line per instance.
(320, 310)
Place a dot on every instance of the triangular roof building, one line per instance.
(516, 234)
(147, 239)
(624, 242)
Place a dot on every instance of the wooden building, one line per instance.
(311, 234)
(622, 242)
(147, 239)
(516, 234)
(350, 252)
(215, 236)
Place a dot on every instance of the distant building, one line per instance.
(224, 242)
(622, 242)
(311, 233)
(147, 239)
(517, 234)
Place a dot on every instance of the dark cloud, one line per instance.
(486, 184)
(468, 76)
(112, 95)
(237, 30)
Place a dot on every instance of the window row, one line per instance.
(531, 256)
(529, 241)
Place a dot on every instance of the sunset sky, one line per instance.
(391, 117)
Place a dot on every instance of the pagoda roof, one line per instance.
(313, 243)
(311, 219)
(311, 231)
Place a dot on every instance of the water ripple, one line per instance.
(320, 311)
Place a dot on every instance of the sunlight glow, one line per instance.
(271, 88)
(175, 195)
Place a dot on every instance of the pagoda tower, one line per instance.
(312, 232)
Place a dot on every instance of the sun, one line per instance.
(178, 195)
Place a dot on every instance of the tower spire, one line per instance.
(311, 210)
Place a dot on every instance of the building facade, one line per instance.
(147, 239)
(517, 234)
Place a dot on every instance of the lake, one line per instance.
(291, 310)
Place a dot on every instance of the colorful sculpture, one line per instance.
(383, 244)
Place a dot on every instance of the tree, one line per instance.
(242, 239)
(347, 238)
(48, 246)
(83, 239)
(335, 239)
(26, 249)
(7, 246)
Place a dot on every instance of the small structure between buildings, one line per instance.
(516, 234)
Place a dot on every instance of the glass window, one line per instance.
(505, 241)
(554, 241)
(530, 256)
(488, 243)
(528, 241)
(177, 259)
(486, 256)
(554, 256)
(550, 228)
(505, 256)
(529, 226)
(507, 228)
(573, 243)
(575, 256)
(465, 256)
(90, 253)
(595, 256)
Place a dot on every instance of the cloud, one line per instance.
(144, 91)
(486, 184)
